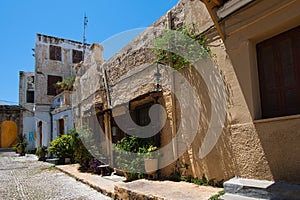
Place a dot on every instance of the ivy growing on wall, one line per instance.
(186, 40)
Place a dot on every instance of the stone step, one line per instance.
(236, 197)
(54, 161)
(261, 189)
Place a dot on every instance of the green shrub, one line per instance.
(80, 154)
(41, 150)
(62, 146)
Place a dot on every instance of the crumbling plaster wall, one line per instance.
(22, 92)
(44, 66)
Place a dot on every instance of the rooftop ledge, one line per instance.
(230, 7)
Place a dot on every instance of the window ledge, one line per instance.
(276, 119)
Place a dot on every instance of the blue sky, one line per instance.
(21, 20)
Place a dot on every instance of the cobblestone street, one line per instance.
(26, 178)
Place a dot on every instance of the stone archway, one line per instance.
(9, 132)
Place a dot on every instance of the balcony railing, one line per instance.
(63, 99)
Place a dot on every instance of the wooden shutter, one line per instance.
(279, 74)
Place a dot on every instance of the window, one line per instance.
(279, 74)
(52, 80)
(55, 52)
(142, 118)
(30, 96)
(30, 82)
(61, 126)
(77, 56)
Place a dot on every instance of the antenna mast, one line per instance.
(85, 23)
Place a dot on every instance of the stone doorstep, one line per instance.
(236, 197)
(261, 189)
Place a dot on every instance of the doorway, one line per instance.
(40, 130)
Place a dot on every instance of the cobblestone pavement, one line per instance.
(23, 177)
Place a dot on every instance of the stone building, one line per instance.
(26, 101)
(47, 112)
(259, 135)
(10, 125)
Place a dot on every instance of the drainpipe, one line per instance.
(174, 128)
(106, 87)
(107, 116)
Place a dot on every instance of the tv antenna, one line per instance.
(85, 23)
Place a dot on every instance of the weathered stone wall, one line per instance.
(26, 82)
(244, 148)
(130, 75)
(44, 66)
(127, 76)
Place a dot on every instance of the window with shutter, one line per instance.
(279, 74)
(77, 56)
(55, 52)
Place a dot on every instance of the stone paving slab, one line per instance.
(115, 187)
(146, 189)
(26, 178)
(102, 184)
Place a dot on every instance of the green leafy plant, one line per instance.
(80, 154)
(131, 164)
(21, 144)
(41, 152)
(149, 151)
(185, 39)
(217, 196)
(62, 146)
(66, 84)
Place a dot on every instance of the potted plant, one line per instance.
(151, 159)
(21, 145)
(62, 148)
(131, 165)
(65, 85)
(41, 152)
(58, 87)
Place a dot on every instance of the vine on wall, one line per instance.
(185, 39)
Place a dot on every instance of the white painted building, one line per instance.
(48, 113)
